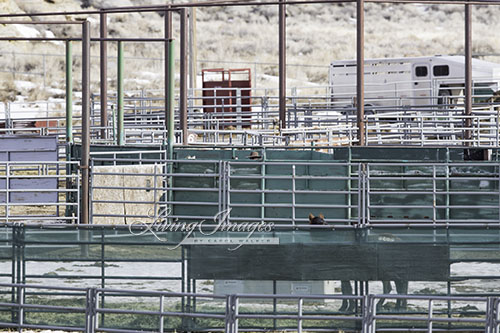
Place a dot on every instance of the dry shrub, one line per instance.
(8, 91)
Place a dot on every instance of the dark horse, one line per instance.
(317, 219)
(401, 289)
(349, 305)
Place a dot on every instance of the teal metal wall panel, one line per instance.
(397, 193)
(362, 262)
(284, 262)
(413, 262)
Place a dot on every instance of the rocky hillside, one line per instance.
(317, 34)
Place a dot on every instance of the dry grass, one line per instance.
(317, 34)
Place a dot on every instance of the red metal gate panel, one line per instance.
(220, 94)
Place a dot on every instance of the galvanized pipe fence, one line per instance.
(347, 193)
(39, 191)
(311, 120)
(125, 188)
(228, 312)
(327, 128)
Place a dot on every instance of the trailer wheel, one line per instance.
(371, 111)
(444, 97)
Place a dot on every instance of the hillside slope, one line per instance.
(317, 34)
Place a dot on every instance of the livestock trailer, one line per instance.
(413, 81)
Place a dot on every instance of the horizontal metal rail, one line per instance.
(312, 120)
(39, 191)
(230, 310)
(356, 194)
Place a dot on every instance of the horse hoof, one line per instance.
(344, 306)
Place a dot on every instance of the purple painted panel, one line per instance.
(30, 156)
(28, 143)
(34, 193)
(29, 148)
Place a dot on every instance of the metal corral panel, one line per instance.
(338, 153)
(76, 152)
(226, 99)
(226, 287)
(35, 193)
(365, 154)
(418, 192)
(394, 188)
(362, 262)
(28, 148)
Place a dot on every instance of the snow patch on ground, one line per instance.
(50, 34)
(56, 91)
(151, 75)
(138, 81)
(24, 85)
(27, 32)
(30, 110)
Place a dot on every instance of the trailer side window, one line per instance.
(441, 70)
(421, 71)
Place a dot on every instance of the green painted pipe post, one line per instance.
(121, 132)
(171, 118)
(69, 92)
(113, 112)
(171, 100)
(69, 118)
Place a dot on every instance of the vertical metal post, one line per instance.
(360, 70)
(275, 306)
(121, 131)
(294, 188)
(193, 49)
(183, 79)
(20, 301)
(15, 258)
(169, 83)
(373, 321)
(468, 73)
(429, 319)
(69, 92)
(263, 171)
(84, 164)
(228, 322)
(236, 311)
(90, 311)
(299, 322)
(282, 65)
(104, 74)
(162, 308)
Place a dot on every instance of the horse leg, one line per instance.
(402, 289)
(386, 285)
(346, 288)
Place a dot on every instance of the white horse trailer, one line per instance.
(413, 81)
